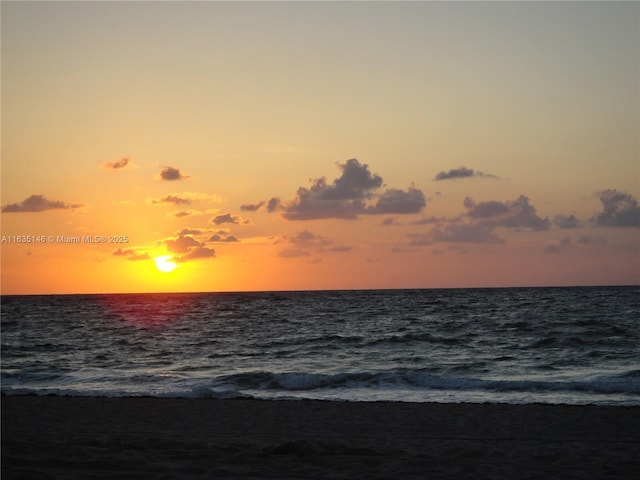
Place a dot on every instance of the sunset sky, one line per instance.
(319, 145)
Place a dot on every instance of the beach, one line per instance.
(154, 438)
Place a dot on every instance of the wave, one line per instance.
(628, 382)
(265, 384)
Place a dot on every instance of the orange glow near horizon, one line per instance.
(318, 145)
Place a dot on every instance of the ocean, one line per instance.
(578, 345)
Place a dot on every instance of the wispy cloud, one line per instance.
(196, 253)
(461, 172)
(118, 164)
(131, 254)
(301, 245)
(38, 203)
(184, 198)
(251, 207)
(183, 213)
(354, 193)
(558, 247)
(619, 209)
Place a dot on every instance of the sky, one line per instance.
(238, 146)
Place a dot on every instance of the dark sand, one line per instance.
(142, 438)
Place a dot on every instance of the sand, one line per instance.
(150, 438)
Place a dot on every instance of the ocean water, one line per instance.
(515, 345)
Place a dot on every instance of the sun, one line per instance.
(164, 265)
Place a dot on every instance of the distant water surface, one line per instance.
(516, 345)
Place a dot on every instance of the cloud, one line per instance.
(122, 163)
(228, 218)
(307, 239)
(196, 253)
(175, 199)
(566, 221)
(171, 174)
(188, 248)
(216, 237)
(38, 203)
(515, 214)
(563, 244)
(184, 198)
(303, 241)
(190, 231)
(431, 220)
(251, 207)
(131, 254)
(619, 209)
(183, 213)
(182, 244)
(461, 172)
(477, 225)
(589, 240)
(274, 204)
(347, 196)
(477, 232)
(398, 201)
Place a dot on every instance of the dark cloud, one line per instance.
(188, 248)
(175, 199)
(566, 221)
(131, 254)
(251, 207)
(228, 218)
(347, 196)
(223, 238)
(488, 209)
(122, 163)
(480, 221)
(476, 232)
(307, 239)
(398, 201)
(461, 172)
(182, 244)
(184, 198)
(619, 209)
(431, 220)
(274, 205)
(516, 214)
(190, 231)
(171, 173)
(588, 240)
(304, 241)
(563, 244)
(182, 213)
(38, 203)
(196, 253)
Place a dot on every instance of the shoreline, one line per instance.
(147, 437)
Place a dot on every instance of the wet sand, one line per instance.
(150, 438)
